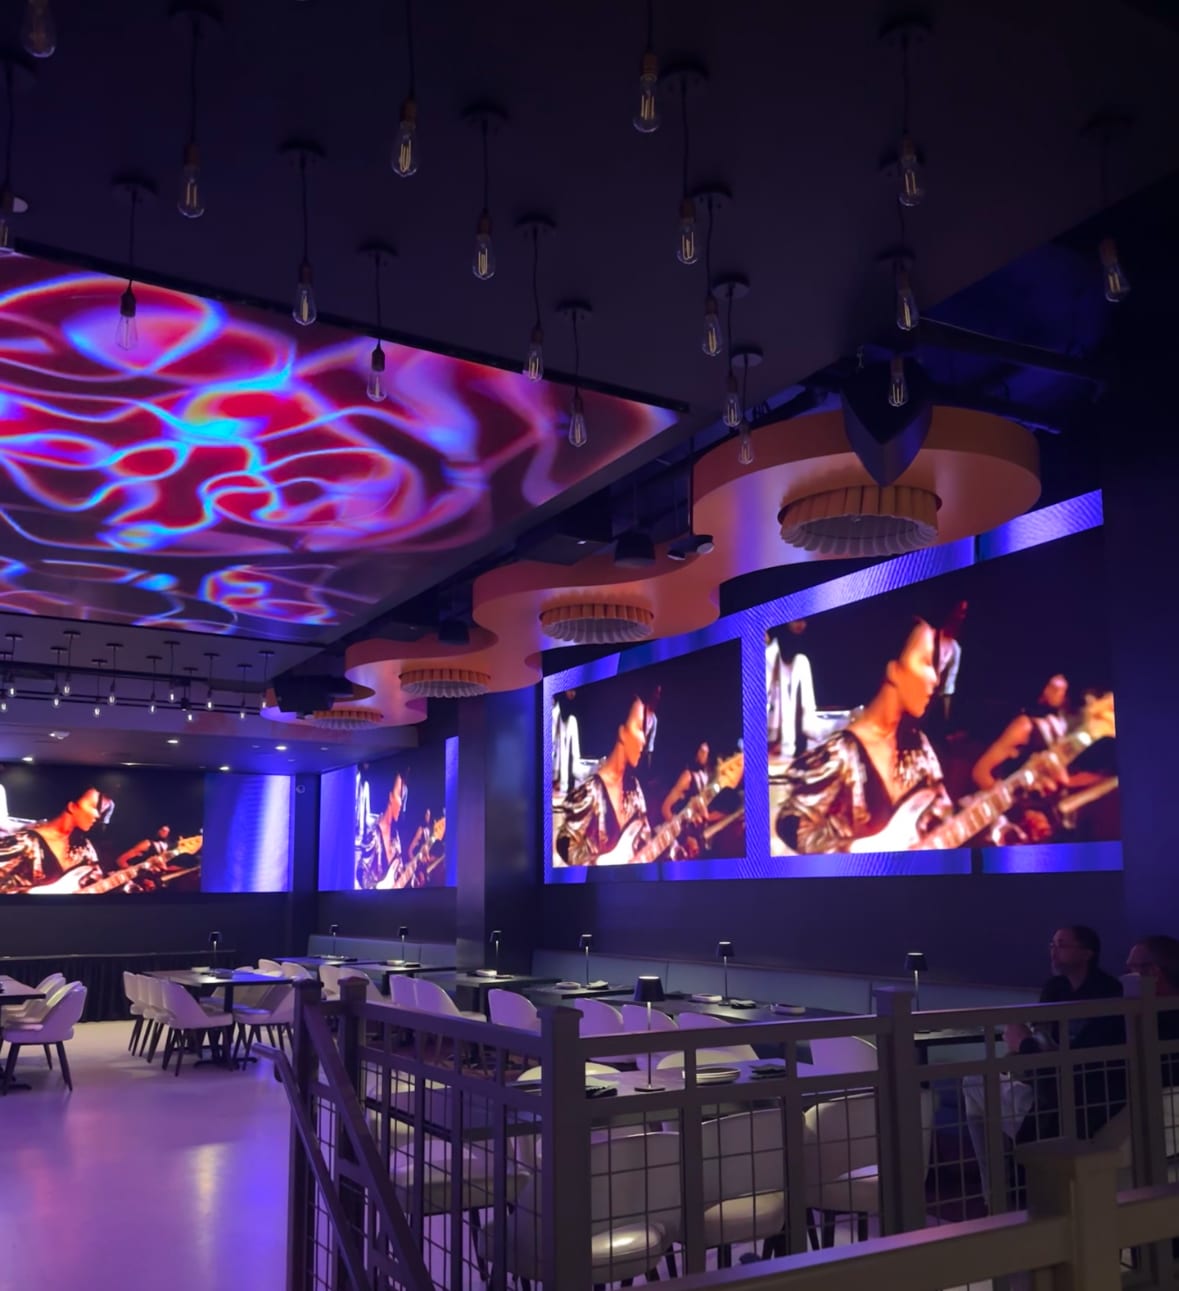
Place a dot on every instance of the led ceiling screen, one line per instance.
(228, 474)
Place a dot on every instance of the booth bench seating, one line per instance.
(429, 953)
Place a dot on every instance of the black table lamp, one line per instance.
(334, 931)
(495, 938)
(724, 952)
(915, 964)
(403, 932)
(648, 991)
(214, 942)
(584, 942)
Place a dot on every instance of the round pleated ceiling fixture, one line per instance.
(345, 719)
(444, 683)
(867, 520)
(597, 622)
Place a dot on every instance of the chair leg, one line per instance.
(10, 1065)
(65, 1066)
(671, 1273)
(861, 1228)
(48, 1056)
(136, 1028)
(178, 1049)
(827, 1229)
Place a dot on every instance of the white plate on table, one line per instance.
(706, 999)
(568, 986)
(716, 1075)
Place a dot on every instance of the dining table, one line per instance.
(204, 983)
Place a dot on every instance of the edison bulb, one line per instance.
(304, 312)
(1117, 285)
(908, 315)
(375, 388)
(646, 120)
(127, 332)
(686, 252)
(578, 430)
(190, 204)
(483, 261)
(911, 189)
(405, 150)
(6, 247)
(38, 34)
(534, 363)
(733, 412)
(745, 449)
(898, 386)
(713, 341)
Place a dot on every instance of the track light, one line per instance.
(38, 34)
(908, 315)
(405, 149)
(1116, 284)
(304, 310)
(898, 386)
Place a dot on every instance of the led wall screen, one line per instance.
(227, 474)
(70, 831)
(383, 825)
(648, 765)
(945, 713)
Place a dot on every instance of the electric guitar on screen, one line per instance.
(728, 776)
(901, 834)
(422, 863)
(92, 880)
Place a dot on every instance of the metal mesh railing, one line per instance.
(493, 1157)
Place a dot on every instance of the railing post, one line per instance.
(903, 1160)
(300, 1225)
(565, 1181)
(1078, 1181)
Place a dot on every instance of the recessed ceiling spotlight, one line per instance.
(280, 748)
(130, 764)
(173, 741)
(59, 735)
(222, 768)
(27, 758)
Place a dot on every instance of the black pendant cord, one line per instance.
(729, 329)
(10, 127)
(708, 251)
(409, 50)
(692, 485)
(576, 355)
(684, 124)
(131, 237)
(651, 25)
(303, 195)
(744, 388)
(377, 290)
(904, 83)
(536, 274)
(192, 79)
(486, 168)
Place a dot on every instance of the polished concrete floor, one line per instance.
(139, 1181)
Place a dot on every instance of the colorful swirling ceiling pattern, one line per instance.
(229, 475)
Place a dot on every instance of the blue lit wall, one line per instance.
(247, 833)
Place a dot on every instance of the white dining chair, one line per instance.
(689, 1021)
(271, 967)
(431, 998)
(744, 1182)
(186, 1019)
(51, 987)
(54, 1028)
(296, 972)
(401, 991)
(511, 1009)
(840, 1055)
(275, 1011)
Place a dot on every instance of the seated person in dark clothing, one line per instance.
(1158, 958)
(1099, 1088)
(1031, 1099)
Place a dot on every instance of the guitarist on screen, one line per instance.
(849, 787)
(610, 802)
(43, 852)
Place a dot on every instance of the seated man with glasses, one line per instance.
(1030, 1103)
(1157, 957)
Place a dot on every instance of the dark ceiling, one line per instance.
(800, 104)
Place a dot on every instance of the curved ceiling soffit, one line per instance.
(983, 469)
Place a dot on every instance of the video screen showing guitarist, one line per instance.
(41, 853)
(850, 786)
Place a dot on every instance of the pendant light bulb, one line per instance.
(241, 712)
(483, 261)
(190, 204)
(713, 341)
(111, 697)
(57, 699)
(578, 430)
(405, 150)
(908, 316)
(376, 375)
(733, 413)
(304, 312)
(911, 189)
(127, 332)
(97, 710)
(7, 205)
(534, 364)
(646, 120)
(1117, 285)
(38, 33)
(151, 708)
(745, 448)
(898, 386)
(687, 252)
(65, 687)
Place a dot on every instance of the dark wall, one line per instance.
(427, 912)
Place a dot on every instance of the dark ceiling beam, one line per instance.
(960, 340)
